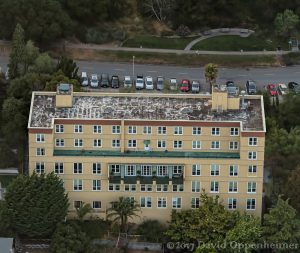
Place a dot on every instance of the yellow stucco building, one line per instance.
(158, 149)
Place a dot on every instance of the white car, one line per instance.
(84, 79)
(127, 82)
(94, 80)
(283, 89)
(139, 82)
(149, 83)
(173, 84)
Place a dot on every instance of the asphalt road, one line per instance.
(262, 76)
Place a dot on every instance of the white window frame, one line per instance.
(132, 130)
(96, 185)
(115, 187)
(232, 203)
(146, 170)
(177, 170)
(161, 144)
(234, 131)
(130, 170)
(115, 143)
(196, 144)
(78, 143)
(162, 188)
(79, 168)
(251, 187)
(59, 168)
(252, 141)
(176, 202)
(215, 131)
(40, 138)
(96, 169)
(252, 170)
(162, 130)
(196, 131)
(233, 170)
(215, 170)
(195, 202)
(97, 129)
(115, 168)
(196, 170)
(147, 200)
(177, 144)
(161, 202)
(40, 151)
(146, 187)
(177, 187)
(233, 187)
(233, 145)
(40, 167)
(215, 185)
(116, 129)
(195, 186)
(178, 130)
(147, 130)
(251, 204)
(162, 170)
(59, 142)
(59, 128)
(79, 202)
(80, 186)
(78, 129)
(252, 155)
(96, 141)
(132, 143)
(215, 145)
(129, 187)
(94, 204)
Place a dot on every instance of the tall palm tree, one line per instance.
(122, 210)
(211, 73)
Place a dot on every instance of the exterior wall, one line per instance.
(105, 196)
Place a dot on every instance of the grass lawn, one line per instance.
(236, 43)
(147, 41)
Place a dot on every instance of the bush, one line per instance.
(104, 34)
(183, 31)
(166, 33)
(151, 230)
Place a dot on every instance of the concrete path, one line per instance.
(219, 32)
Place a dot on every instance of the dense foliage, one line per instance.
(34, 205)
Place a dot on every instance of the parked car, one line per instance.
(139, 82)
(195, 86)
(104, 82)
(173, 84)
(251, 87)
(149, 83)
(127, 82)
(292, 85)
(282, 88)
(84, 79)
(231, 88)
(94, 80)
(115, 81)
(185, 85)
(272, 90)
(160, 83)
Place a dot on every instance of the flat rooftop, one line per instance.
(141, 107)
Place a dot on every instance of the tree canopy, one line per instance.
(34, 205)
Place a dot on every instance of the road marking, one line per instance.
(182, 73)
(242, 75)
(152, 71)
(119, 69)
(268, 74)
(297, 72)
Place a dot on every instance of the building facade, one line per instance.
(158, 149)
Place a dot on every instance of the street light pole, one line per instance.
(133, 66)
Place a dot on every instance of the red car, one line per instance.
(185, 85)
(272, 89)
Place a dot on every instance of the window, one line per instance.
(177, 187)
(77, 168)
(215, 131)
(97, 129)
(147, 130)
(177, 144)
(176, 202)
(234, 131)
(114, 187)
(146, 187)
(232, 203)
(115, 168)
(77, 185)
(177, 170)
(115, 143)
(195, 203)
(131, 143)
(252, 169)
(162, 202)
(59, 128)
(233, 170)
(39, 167)
(252, 155)
(96, 185)
(178, 130)
(252, 141)
(59, 142)
(196, 170)
(251, 204)
(130, 187)
(146, 170)
(233, 186)
(96, 168)
(146, 202)
(161, 187)
(131, 200)
(130, 170)
(214, 186)
(196, 130)
(233, 145)
(251, 187)
(59, 168)
(161, 130)
(115, 129)
(78, 142)
(78, 129)
(161, 144)
(215, 170)
(196, 144)
(40, 151)
(77, 203)
(132, 129)
(96, 204)
(162, 170)
(40, 138)
(97, 143)
(215, 145)
(195, 186)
